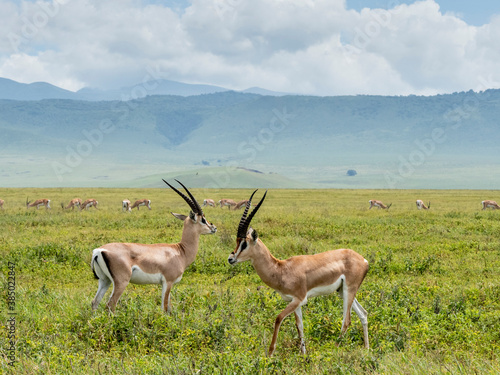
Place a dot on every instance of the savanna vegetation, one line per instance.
(432, 292)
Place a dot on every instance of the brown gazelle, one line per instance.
(227, 202)
(300, 277)
(241, 204)
(490, 204)
(89, 203)
(123, 263)
(141, 202)
(126, 205)
(208, 202)
(1, 203)
(421, 205)
(379, 204)
(76, 202)
(38, 203)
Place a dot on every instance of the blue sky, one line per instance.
(475, 13)
(315, 47)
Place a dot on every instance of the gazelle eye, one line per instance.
(244, 245)
(203, 221)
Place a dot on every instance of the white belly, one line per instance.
(141, 277)
(326, 289)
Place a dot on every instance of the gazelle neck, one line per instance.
(265, 264)
(189, 242)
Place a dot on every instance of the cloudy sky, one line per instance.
(317, 47)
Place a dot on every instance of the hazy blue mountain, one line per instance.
(444, 141)
(13, 90)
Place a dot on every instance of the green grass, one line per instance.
(432, 292)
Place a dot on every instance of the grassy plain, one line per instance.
(432, 292)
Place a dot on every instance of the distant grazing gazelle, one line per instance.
(141, 202)
(76, 202)
(378, 204)
(421, 205)
(208, 202)
(38, 203)
(126, 205)
(490, 204)
(89, 203)
(1, 203)
(227, 202)
(241, 204)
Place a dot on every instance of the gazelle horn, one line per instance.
(245, 222)
(193, 204)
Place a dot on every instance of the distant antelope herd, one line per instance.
(231, 204)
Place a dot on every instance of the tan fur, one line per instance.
(89, 203)
(169, 260)
(490, 204)
(141, 202)
(227, 202)
(72, 203)
(293, 278)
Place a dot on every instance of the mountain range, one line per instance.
(235, 139)
(13, 90)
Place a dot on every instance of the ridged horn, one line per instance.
(245, 222)
(193, 204)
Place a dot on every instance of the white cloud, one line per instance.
(310, 47)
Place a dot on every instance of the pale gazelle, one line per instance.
(227, 202)
(208, 202)
(76, 202)
(126, 205)
(141, 202)
(421, 205)
(123, 263)
(241, 204)
(38, 203)
(490, 204)
(1, 203)
(378, 204)
(89, 203)
(300, 277)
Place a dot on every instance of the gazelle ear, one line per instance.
(179, 216)
(254, 234)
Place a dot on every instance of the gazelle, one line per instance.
(76, 202)
(123, 263)
(227, 202)
(1, 203)
(88, 203)
(300, 277)
(421, 205)
(38, 203)
(378, 204)
(241, 204)
(141, 202)
(208, 202)
(490, 204)
(126, 205)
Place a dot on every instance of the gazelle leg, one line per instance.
(292, 306)
(300, 329)
(348, 298)
(165, 297)
(118, 290)
(104, 285)
(363, 316)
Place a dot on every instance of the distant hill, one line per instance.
(12, 90)
(443, 141)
